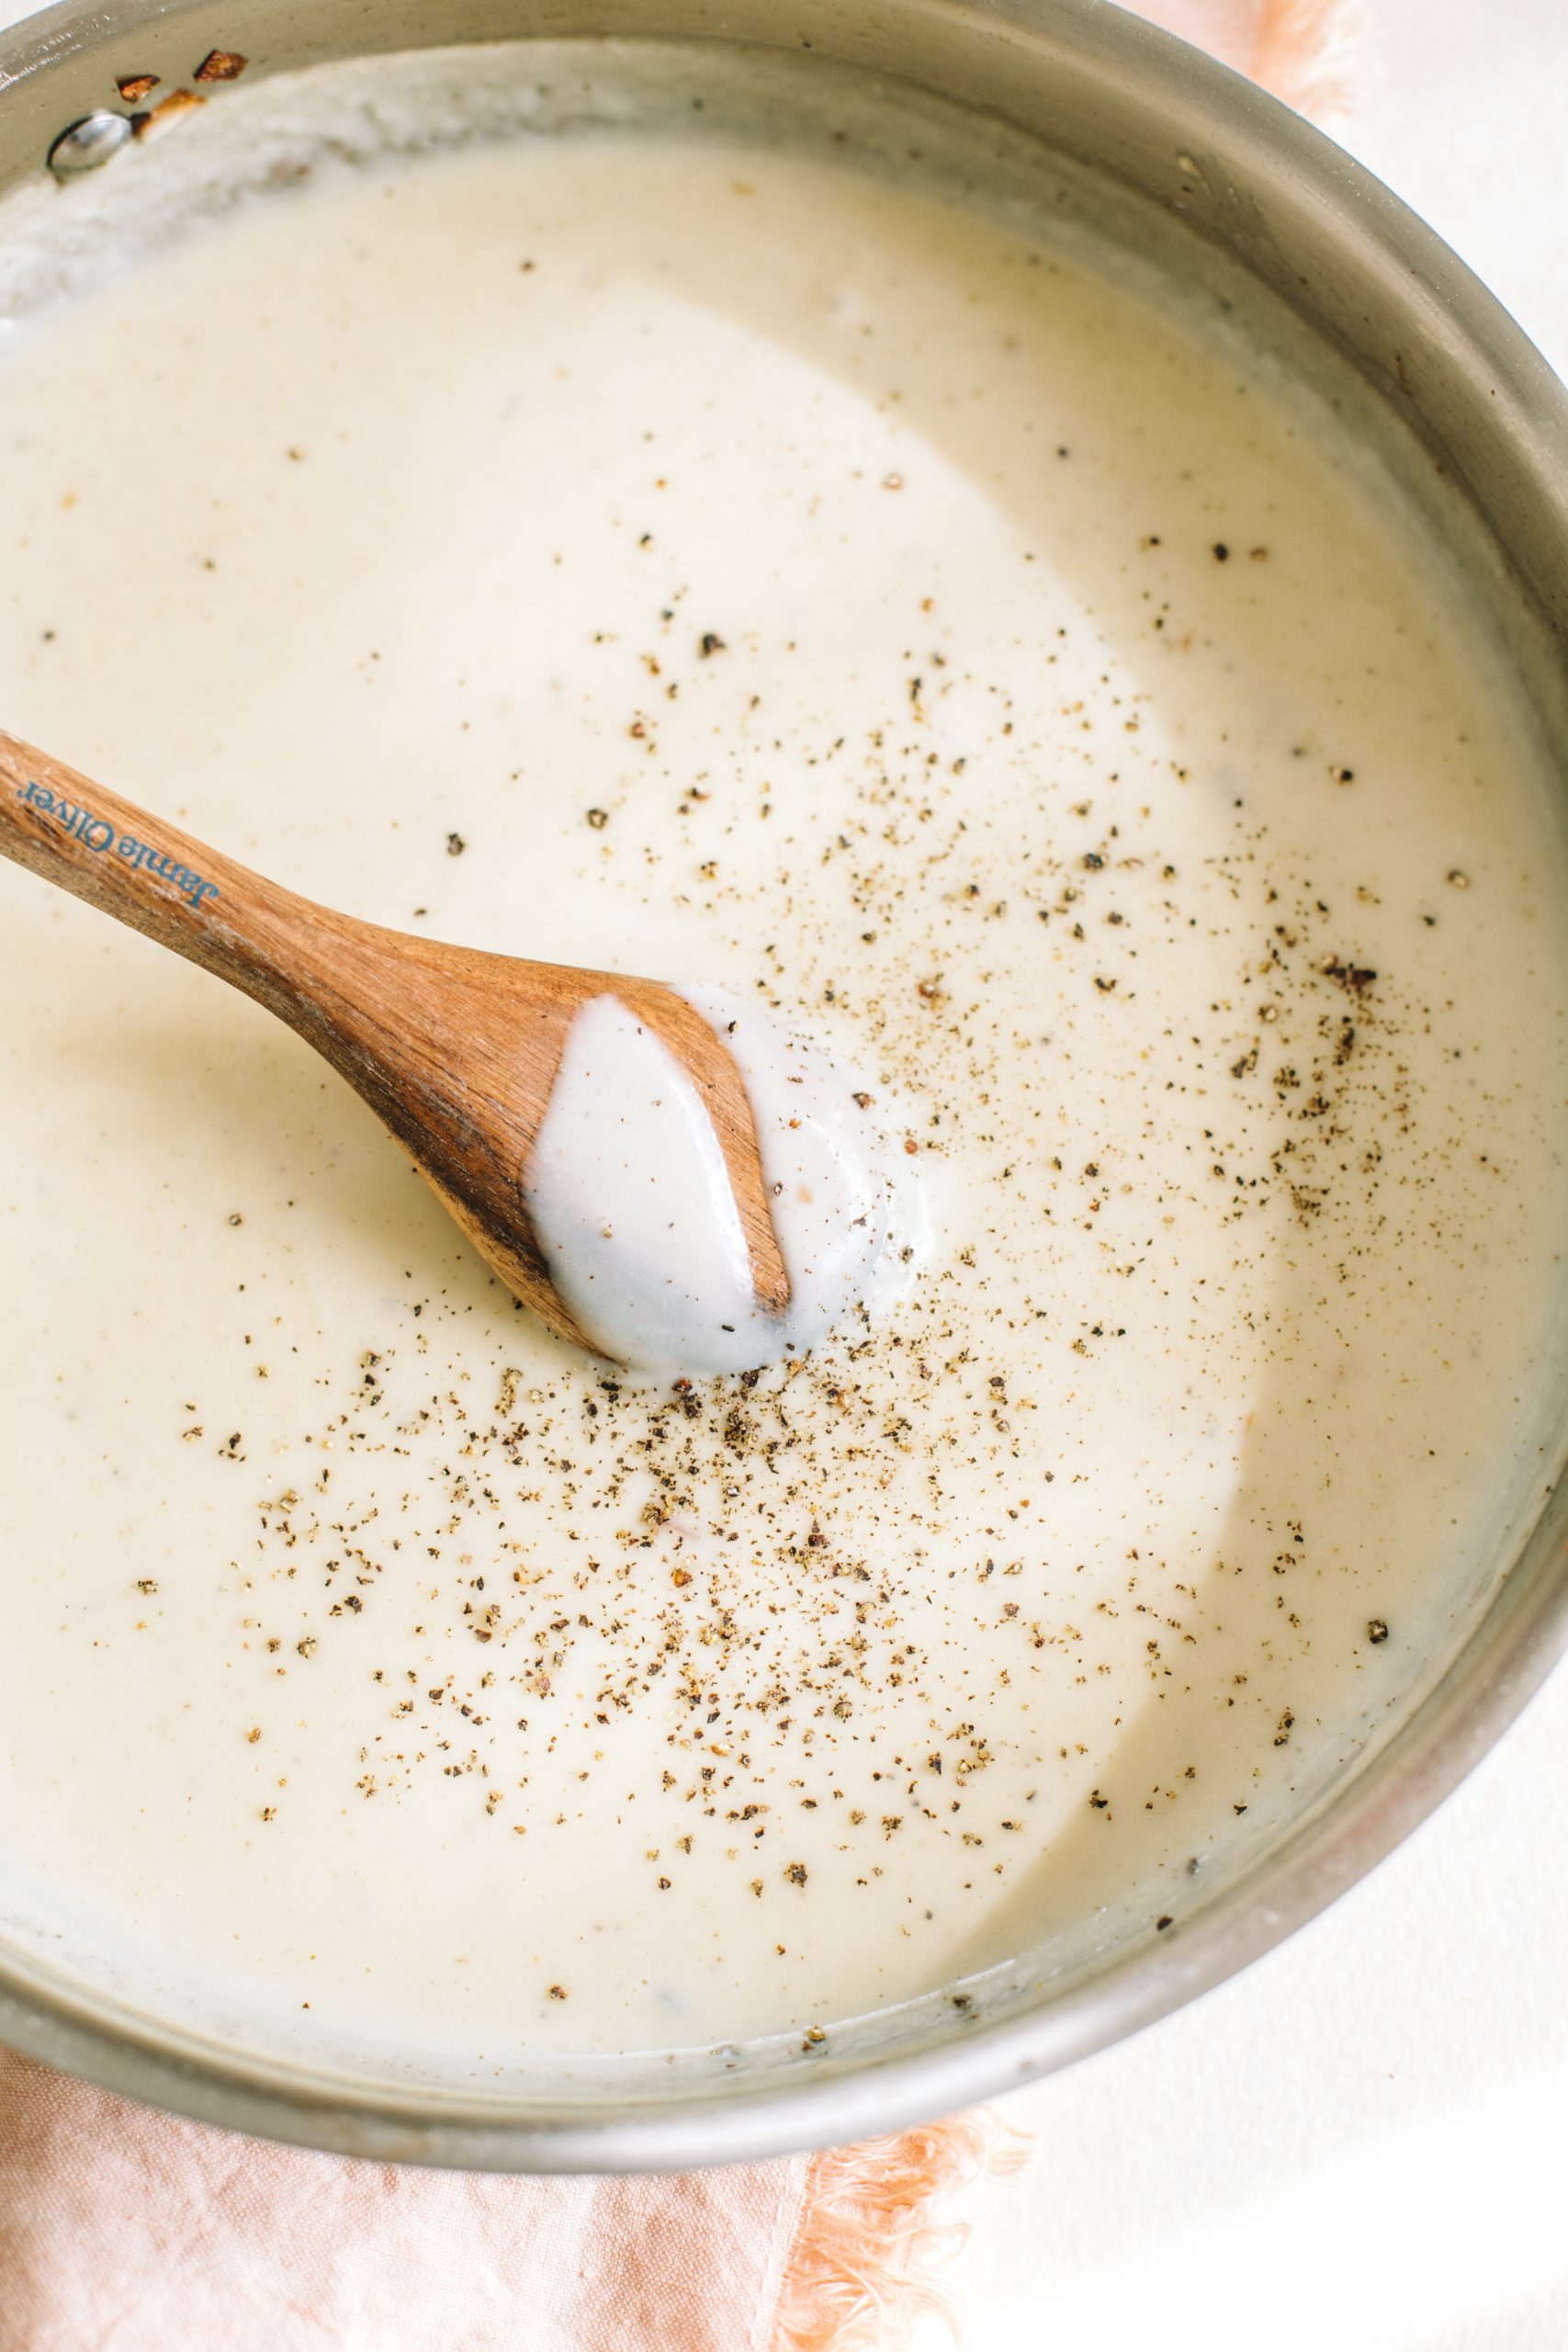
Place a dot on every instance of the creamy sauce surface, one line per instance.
(630, 1196)
(686, 556)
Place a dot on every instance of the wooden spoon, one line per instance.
(455, 1050)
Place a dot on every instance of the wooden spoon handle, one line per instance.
(69, 830)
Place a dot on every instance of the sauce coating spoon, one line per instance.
(457, 1051)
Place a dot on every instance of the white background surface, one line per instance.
(1361, 2145)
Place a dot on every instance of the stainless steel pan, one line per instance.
(1475, 407)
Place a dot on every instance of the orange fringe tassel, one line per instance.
(1301, 51)
(871, 2236)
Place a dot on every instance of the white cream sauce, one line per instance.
(1095, 756)
(630, 1196)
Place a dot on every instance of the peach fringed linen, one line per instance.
(125, 2230)
(874, 2229)
(1300, 50)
